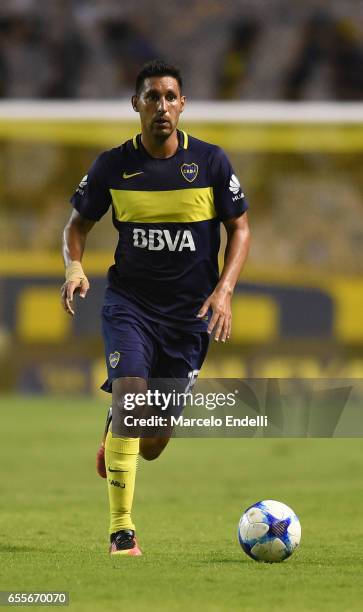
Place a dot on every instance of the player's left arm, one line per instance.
(238, 241)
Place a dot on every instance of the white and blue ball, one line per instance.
(269, 531)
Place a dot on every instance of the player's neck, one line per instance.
(160, 149)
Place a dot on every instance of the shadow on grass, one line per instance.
(12, 548)
(212, 559)
(297, 561)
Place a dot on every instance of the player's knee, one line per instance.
(152, 449)
(150, 454)
(128, 384)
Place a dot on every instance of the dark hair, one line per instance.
(154, 68)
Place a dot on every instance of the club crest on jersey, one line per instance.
(189, 171)
(114, 358)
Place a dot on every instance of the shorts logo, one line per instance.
(114, 358)
(189, 171)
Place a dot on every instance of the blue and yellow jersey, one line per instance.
(167, 213)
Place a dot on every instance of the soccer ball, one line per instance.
(269, 531)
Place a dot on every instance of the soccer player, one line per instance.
(169, 193)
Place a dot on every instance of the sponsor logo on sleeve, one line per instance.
(83, 184)
(235, 188)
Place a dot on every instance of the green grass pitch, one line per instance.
(54, 517)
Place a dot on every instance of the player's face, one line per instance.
(159, 104)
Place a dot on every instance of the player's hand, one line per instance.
(69, 289)
(221, 321)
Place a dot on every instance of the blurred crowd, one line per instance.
(227, 49)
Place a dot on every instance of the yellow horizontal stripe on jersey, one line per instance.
(177, 206)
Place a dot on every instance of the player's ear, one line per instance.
(182, 103)
(134, 101)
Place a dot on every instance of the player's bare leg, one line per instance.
(100, 456)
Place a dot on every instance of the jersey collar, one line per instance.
(182, 139)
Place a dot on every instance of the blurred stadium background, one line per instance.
(278, 85)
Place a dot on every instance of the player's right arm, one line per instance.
(74, 242)
(90, 201)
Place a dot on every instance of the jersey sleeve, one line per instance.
(92, 197)
(229, 199)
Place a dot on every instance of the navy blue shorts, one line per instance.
(138, 346)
